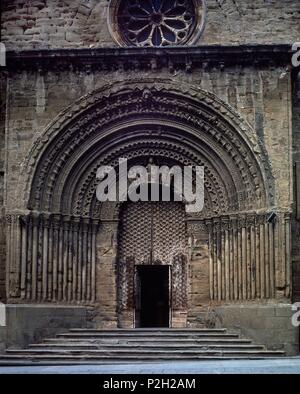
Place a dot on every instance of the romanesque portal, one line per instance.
(68, 248)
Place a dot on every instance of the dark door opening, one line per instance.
(152, 296)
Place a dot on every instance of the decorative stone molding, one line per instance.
(201, 116)
(172, 58)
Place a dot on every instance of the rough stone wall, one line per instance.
(2, 339)
(296, 221)
(31, 323)
(296, 118)
(2, 167)
(199, 292)
(106, 279)
(268, 325)
(28, 24)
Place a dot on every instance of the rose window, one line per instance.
(157, 23)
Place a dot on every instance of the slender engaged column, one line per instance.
(244, 258)
(46, 225)
(35, 240)
(95, 227)
(56, 229)
(272, 259)
(211, 269)
(70, 261)
(64, 257)
(253, 256)
(257, 259)
(50, 261)
(235, 261)
(80, 258)
(288, 254)
(89, 261)
(24, 226)
(84, 258)
(267, 261)
(76, 229)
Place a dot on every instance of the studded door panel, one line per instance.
(152, 233)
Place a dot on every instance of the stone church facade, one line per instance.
(207, 83)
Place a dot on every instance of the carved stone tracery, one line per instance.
(156, 22)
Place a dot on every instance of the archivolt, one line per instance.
(183, 124)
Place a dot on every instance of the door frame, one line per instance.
(137, 292)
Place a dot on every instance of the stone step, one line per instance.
(127, 346)
(149, 330)
(148, 335)
(142, 357)
(138, 352)
(143, 346)
(151, 341)
(11, 361)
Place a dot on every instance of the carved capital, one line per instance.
(9, 219)
(251, 220)
(24, 220)
(261, 219)
(85, 225)
(233, 224)
(36, 219)
(242, 221)
(216, 225)
(198, 227)
(95, 225)
(46, 220)
(109, 226)
(56, 221)
(76, 222)
(224, 223)
(66, 223)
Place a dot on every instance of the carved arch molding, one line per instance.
(139, 119)
(57, 253)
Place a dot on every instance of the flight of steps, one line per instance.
(90, 346)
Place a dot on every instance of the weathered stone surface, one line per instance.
(296, 161)
(30, 323)
(79, 23)
(2, 339)
(270, 325)
(3, 89)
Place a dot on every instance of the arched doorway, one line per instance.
(152, 264)
(66, 248)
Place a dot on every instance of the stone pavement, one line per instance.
(270, 366)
